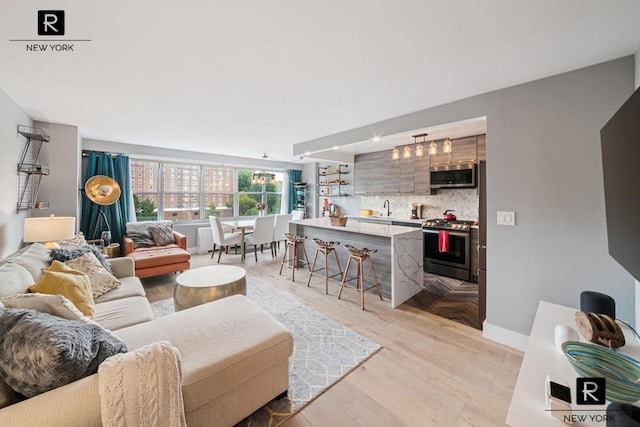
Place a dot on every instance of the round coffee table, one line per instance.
(205, 284)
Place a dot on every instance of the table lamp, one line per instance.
(48, 230)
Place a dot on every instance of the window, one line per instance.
(145, 198)
(251, 194)
(184, 192)
(218, 201)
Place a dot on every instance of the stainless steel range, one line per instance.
(455, 261)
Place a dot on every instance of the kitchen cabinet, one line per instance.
(421, 175)
(463, 150)
(482, 147)
(406, 175)
(391, 181)
(370, 172)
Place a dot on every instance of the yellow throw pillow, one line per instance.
(73, 284)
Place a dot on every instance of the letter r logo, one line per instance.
(590, 391)
(51, 22)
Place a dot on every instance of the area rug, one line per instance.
(323, 350)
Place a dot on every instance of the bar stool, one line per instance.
(360, 256)
(295, 243)
(325, 248)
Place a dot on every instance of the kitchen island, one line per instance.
(398, 262)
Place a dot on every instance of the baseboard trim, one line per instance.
(504, 336)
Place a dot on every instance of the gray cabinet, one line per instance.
(406, 175)
(369, 173)
(421, 175)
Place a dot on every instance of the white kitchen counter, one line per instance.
(388, 219)
(358, 227)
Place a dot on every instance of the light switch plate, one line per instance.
(506, 218)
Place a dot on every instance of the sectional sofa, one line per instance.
(234, 355)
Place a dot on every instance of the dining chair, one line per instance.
(280, 227)
(222, 239)
(262, 234)
(296, 215)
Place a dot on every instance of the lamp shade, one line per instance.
(49, 229)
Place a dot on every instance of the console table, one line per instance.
(541, 359)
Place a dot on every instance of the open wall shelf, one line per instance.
(30, 171)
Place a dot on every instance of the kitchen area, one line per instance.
(437, 186)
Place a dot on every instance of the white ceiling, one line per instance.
(248, 77)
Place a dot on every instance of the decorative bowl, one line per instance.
(339, 221)
(622, 373)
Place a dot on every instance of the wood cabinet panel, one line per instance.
(464, 150)
(482, 147)
(406, 175)
(390, 169)
(421, 175)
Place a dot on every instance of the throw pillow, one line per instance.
(39, 352)
(162, 235)
(73, 284)
(56, 305)
(99, 278)
(67, 254)
(141, 238)
(14, 279)
(34, 259)
(76, 241)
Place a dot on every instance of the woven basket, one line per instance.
(338, 222)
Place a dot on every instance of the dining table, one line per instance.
(243, 225)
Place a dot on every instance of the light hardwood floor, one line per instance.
(430, 371)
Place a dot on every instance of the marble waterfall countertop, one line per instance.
(398, 262)
(372, 229)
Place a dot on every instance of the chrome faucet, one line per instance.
(388, 206)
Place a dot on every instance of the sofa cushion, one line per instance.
(253, 342)
(144, 225)
(56, 305)
(73, 284)
(14, 279)
(160, 256)
(124, 312)
(67, 254)
(155, 248)
(34, 259)
(129, 287)
(100, 279)
(141, 238)
(162, 234)
(39, 352)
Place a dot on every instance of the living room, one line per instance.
(543, 148)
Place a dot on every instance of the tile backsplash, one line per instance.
(464, 201)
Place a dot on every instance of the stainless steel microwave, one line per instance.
(453, 176)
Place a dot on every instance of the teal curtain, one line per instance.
(117, 214)
(294, 176)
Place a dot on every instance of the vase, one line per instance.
(106, 238)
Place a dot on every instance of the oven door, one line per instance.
(458, 254)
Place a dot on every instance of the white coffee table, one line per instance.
(210, 283)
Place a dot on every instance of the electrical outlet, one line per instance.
(506, 218)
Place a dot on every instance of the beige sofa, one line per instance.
(235, 358)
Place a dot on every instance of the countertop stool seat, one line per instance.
(325, 248)
(294, 245)
(359, 256)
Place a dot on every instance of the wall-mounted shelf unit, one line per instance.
(301, 196)
(30, 171)
(331, 181)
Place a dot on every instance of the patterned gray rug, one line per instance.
(323, 351)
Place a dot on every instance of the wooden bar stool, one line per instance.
(294, 244)
(360, 256)
(325, 248)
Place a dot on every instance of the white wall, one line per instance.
(544, 163)
(60, 187)
(11, 223)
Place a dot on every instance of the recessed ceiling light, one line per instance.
(375, 139)
(335, 147)
(308, 153)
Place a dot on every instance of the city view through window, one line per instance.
(184, 192)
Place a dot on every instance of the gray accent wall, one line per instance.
(60, 187)
(544, 163)
(11, 223)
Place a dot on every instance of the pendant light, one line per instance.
(395, 155)
(433, 148)
(406, 152)
(447, 146)
(406, 149)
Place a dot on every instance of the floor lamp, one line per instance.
(103, 191)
